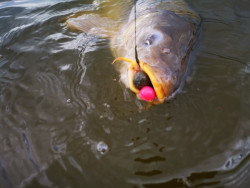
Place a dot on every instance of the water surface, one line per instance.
(66, 121)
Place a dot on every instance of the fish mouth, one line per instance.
(160, 87)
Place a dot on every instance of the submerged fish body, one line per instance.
(166, 32)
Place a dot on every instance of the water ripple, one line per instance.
(150, 160)
(61, 112)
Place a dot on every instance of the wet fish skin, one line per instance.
(166, 32)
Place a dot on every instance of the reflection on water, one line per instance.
(66, 121)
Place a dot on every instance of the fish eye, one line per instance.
(153, 39)
(148, 42)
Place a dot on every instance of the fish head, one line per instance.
(163, 43)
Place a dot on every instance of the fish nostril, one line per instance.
(165, 50)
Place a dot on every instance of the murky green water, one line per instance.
(61, 101)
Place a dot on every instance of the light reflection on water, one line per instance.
(65, 120)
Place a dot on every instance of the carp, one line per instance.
(166, 33)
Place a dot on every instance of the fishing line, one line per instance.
(136, 54)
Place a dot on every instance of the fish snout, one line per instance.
(161, 82)
(146, 75)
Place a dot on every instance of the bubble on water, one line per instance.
(246, 69)
(142, 121)
(65, 67)
(102, 147)
(169, 128)
(247, 145)
(106, 105)
(126, 95)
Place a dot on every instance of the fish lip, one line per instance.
(160, 88)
